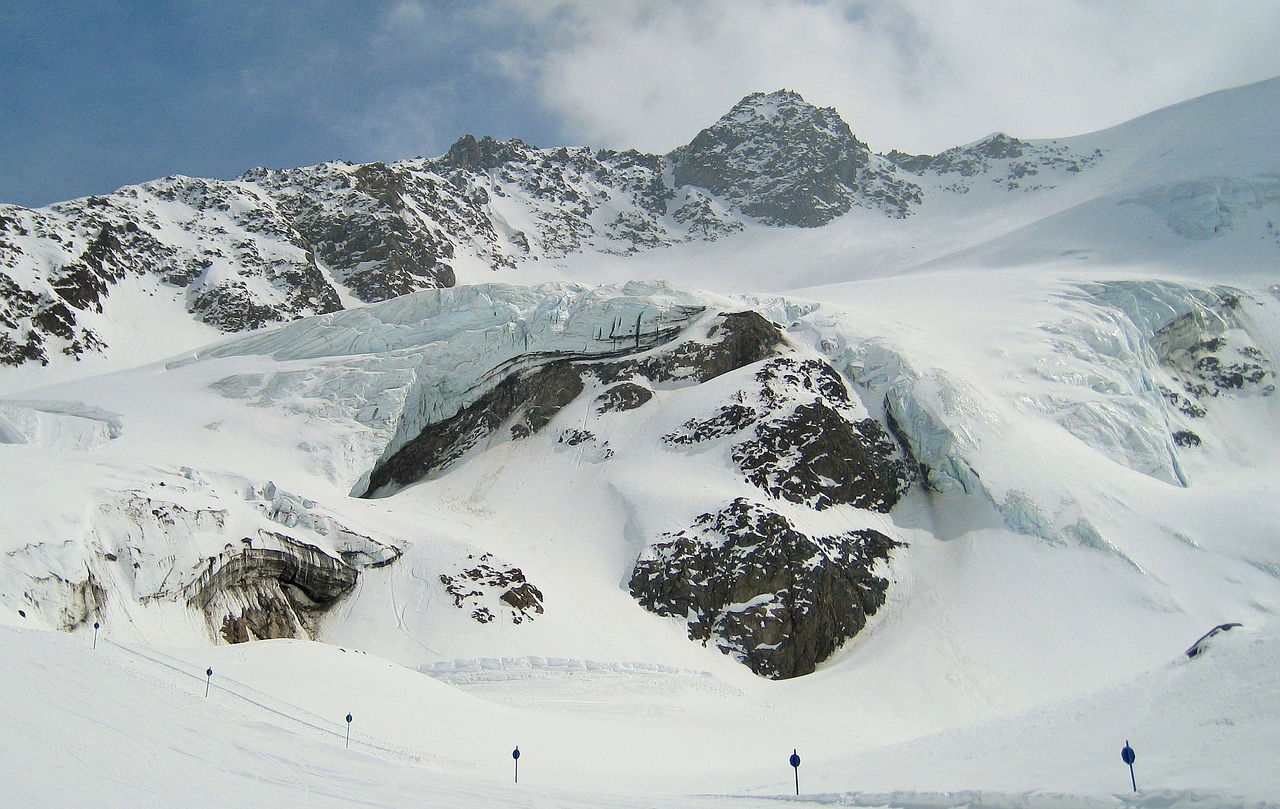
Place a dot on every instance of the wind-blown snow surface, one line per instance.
(1039, 360)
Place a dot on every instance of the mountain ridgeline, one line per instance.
(278, 244)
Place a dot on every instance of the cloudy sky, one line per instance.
(100, 93)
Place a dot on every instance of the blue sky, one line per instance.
(100, 93)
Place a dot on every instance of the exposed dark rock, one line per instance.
(16, 353)
(1183, 404)
(783, 161)
(261, 593)
(529, 398)
(623, 396)
(473, 587)
(736, 339)
(482, 155)
(817, 457)
(1007, 161)
(807, 446)
(231, 307)
(1211, 355)
(751, 584)
(573, 437)
(732, 418)
(84, 283)
(358, 222)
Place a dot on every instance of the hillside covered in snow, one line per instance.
(932, 467)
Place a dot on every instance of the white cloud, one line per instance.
(917, 75)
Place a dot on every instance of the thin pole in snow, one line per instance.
(515, 755)
(95, 634)
(348, 731)
(208, 680)
(795, 765)
(1128, 756)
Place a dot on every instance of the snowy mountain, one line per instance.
(908, 455)
(276, 245)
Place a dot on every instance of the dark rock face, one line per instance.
(732, 418)
(745, 578)
(84, 283)
(735, 340)
(623, 396)
(360, 222)
(240, 263)
(748, 581)
(471, 588)
(262, 593)
(27, 318)
(526, 400)
(819, 454)
(468, 154)
(782, 161)
(807, 446)
(817, 457)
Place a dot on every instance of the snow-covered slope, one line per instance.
(275, 245)
(899, 487)
(130, 726)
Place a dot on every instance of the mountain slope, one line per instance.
(275, 245)
(900, 486)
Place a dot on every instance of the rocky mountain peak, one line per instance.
(786, 106)
(483, 154)
(779, 159)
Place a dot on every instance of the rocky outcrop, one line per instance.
(1000, 159)
(526, 399)
(365, 224)
(750, 583)
(489, 588)
(270, 592)
(808, 444)
(783, 161)
(528, 396)
(623, 396)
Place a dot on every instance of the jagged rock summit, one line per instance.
(783, 161)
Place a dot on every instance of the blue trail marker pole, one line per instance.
(515, 755)
(795, 765)
(1129, 757)
(95, 634)
(348, 731)
(208, 680)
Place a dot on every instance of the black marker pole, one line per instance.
(208, 680)
(95, 634)
(795, 765)
(1129, 757)
(348, 731)
(515, 755)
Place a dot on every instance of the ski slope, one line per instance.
(129, 726)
